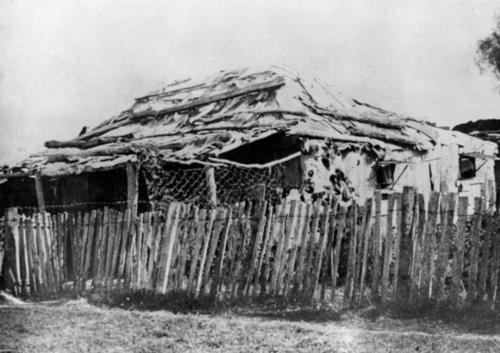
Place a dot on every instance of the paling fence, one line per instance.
(401, 248)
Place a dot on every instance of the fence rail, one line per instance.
(327, 250)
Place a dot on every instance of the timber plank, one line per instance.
(377, 246)
(172, 239)
(405, 255)
(295, 234)
(429, 242)
(256, 246)
(217, 228)
(88, 246)
(323, 238)
(200, 230)
(388, 240)
(259, 280)
(312, 247)
(351, 262)
(204, 253)
(366, 242)
(124, 243)
(289, 225)
(397, 243)
(458, 254)
(32, 256)
(447, 214)
(304, 239)
(278, 236)
(342, 214)
(220, 261)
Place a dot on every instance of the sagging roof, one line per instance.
(195, 122)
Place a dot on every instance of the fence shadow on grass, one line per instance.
(475, 318)
(269, 307)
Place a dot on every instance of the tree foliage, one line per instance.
(489, 51)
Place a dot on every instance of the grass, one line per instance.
(144, 322)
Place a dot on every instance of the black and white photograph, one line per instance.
(249, 176)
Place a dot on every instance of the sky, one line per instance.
(65, 65)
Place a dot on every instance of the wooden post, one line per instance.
(387, 249)
(458, 258)
(132, 187)
(377, 246)
(476, 230)
(405, 250)
(212, 187)
(429, 244)
(39, 191)
(13, 262)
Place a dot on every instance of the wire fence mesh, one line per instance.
(232, 184)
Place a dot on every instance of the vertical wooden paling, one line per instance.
(406, 243)
(339, 235)
(124, 244)
(296, 233)
(83, 246)
(351, 261)
(278, 237)
(288, 226)
(484, 261)
(23, 270)
(155, 250)
(250, 231)
(256, 246)
(145, 249)
(377, 246)
(259, 276)
(267, 263)
(32, 255)
(184, 243)
(218, 225)
(238, 237)
(49, 242)
(200, 232)
(388, 240)
(418, 236)
(447, 214)
(476, 230)
(96, 248)
(312, 247)
(220, 261)
(206, 242)
(322, 244)
(40, 253)
(109, 248)
(429, 245)
(88, 247)
(358, 254)
(12, 247)
(117, 237)
(172, 239)
(458, 255)
(366, 242)
(138, 255)
(397, 243)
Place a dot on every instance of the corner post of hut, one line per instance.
(39, 191)
(211, 186)
(132, 187)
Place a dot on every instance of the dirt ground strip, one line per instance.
(76, 326)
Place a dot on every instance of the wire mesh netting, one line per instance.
(232, 184)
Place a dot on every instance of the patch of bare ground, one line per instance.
(149, 323)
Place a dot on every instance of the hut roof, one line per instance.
(195, 122)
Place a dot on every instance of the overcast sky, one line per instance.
(66, 64)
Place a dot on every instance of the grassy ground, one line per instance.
(128, 324)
